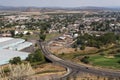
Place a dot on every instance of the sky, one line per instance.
(61, 3)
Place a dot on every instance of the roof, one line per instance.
(6, 55)
(8, 43)
(11, 42)
(2, 39)
(62, 37)
(21, 46)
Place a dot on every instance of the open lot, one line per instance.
(51, 35)
(60, 50)
(47, 71)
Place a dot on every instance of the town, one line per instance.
(42, 44)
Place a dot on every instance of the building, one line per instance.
(10, 48)
(6, 55)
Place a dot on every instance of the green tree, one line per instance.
(85, 59)
(37, 56)
(20, 35)
(12, 33)
(118, 62)
(108, 38)
(82, 47)
(42, 37)
(15, 60)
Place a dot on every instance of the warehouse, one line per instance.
(6, 55)
(10, 48)
(10, 42)
(13, 44)
(2, 39)
(21, 46)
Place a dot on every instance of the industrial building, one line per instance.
(6, 55)
(10, 43)
(10, 47)
(21, 46)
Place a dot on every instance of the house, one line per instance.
(17, 27)
(22, 26)
(62, 38)
(75, 35)
(16, 32)
(25, 32)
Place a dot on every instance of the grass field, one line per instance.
(51, 35)
(102, 58)
(99, 60)
(29, 37)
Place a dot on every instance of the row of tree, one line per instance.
(96, 41)
(35, 57)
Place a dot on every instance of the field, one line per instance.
(108, 62)
(72, 54)
(42, 72)
(59, 50)
(51, 35)
(31, 37)
(104, 58)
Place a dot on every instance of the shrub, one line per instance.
(118, 50)
(85, 59)
(118, 62)
(117, 55)
(37, 56)
(102, 54)
(15, 60)
(82, 47)
(16, 72)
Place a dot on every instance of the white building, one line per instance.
(10, 47)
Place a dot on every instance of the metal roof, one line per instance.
(10, 43)
(6, 55)
(21, 46)
(2, 39)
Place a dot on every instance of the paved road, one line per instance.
(76, 68)
(56, 60)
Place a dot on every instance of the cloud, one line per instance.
(60, 3)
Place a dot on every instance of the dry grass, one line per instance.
(48, 71)
(86, 76)
(48, 67)
(45, 71)
(31, 13)
(60, 50)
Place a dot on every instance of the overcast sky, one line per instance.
(61, 3)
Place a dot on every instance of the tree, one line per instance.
(74, 45)
(28, 33)
(21, 34)
(85, 59)
(82, 47)
(108, 38)
(42, 37)
(12, 33)
(15, 60)
(117, 55)
(118, 62)
(37, 56)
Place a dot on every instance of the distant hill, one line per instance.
(33, 9)
(10, 8)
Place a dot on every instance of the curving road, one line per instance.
(56, 60)
(73, 68)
